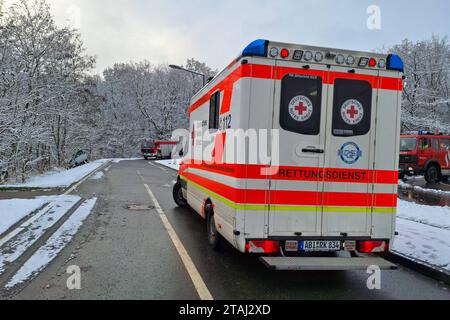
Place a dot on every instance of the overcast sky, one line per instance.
(215, 31)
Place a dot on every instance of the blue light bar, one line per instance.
(394, 62)
(257, 48)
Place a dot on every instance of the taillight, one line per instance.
(263, 246)
(373, 246)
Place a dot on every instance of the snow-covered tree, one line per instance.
(426, 95)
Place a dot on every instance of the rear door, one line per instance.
(351, 122)
(295, 195)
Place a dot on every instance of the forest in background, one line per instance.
(52, 104)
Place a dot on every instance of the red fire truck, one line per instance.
(157, 150)
(425, 153)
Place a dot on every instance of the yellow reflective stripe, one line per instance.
(257, 207)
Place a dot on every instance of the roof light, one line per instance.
(284, 53)
(274, 52)
(363, 62)
(298, 55)
(394, 62)
(340, 59)
(350, 60)
(372, 62)
(308, 55)
(318, 56)
(257, 48)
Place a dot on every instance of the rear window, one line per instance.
(301, 104)
(408, 144)
(352, 108)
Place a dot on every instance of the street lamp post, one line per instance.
(190, 71)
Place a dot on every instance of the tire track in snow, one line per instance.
(24, 239)
(53, 246)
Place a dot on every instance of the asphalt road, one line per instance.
(128, 254)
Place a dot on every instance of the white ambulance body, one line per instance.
(333, 187)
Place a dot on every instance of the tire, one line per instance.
(178, 195)
(214, 237)
(433, 174)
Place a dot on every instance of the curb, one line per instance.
(435, 273)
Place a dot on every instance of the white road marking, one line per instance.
(159, 167)
(196, 278)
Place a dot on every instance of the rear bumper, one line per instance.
(325, 264)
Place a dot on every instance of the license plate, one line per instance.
(320, 246)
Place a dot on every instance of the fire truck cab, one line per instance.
(425, 153)
(330, 187)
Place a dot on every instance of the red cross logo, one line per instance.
(352, 112)
(301, 108)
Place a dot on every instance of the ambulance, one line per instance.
(325, 196)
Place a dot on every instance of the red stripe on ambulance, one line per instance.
(295, 198)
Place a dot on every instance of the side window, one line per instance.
(352, 108)
(301, 104)
(214, 111)
(425, 144)
(445, 144)
(436, 144)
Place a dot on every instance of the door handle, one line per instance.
(311, 150)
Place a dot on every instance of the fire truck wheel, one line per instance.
(433, 175)
(178, 195)
(213, 235)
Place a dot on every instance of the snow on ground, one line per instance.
(59, 179)
(173, 163)
(406, 185)
(422, 242)
(98, 176)
(433, 216)
(54, 245)
(21, 239)
(12, 211)
(125, 159)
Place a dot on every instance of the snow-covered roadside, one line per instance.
(422, 242)
(172, 164)
(12, 211)
(18, 242)
(59, 179)
(407, 186)
(54, 245)
(98, 176)
(118, 160)
(438, 217)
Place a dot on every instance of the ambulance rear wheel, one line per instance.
(214, 237)
(178, 195)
